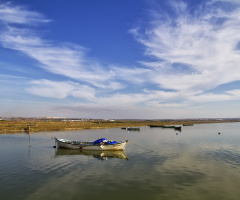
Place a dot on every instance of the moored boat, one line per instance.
(133, 129)
(172, 126)
(100, 144)
(178, 128)
(156, 126)
(168, 126)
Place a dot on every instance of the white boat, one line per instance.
(100, 144)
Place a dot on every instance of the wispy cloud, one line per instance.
(13, 14)
(54, 89)
(134, 75)
(230, 95)
(201, 42)
(64, 59)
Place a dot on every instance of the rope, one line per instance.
(141, 147)
(40, 142)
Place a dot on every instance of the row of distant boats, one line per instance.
(157, 126)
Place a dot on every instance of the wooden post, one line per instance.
(28, 129)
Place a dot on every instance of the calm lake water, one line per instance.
(196, 163)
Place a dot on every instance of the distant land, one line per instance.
(36, 124)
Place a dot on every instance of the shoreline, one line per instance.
(21, 126)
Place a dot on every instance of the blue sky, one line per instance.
(141, 59)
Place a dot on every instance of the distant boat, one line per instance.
(178, 128)
(133, 129)
(100, 144)
(155, 126)
(168, 126)
(175, 127)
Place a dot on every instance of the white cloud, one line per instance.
(65, 59)
(61, 89)
(226, 1)
(230, 95)
(19, 15)
(133, 75)
(205, 42)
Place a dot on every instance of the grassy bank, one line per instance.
(16, 126)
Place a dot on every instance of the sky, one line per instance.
(120, 59)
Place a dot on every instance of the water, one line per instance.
(196, 163)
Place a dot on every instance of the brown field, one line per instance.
(35, 125)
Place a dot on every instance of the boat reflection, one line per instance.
(101, 155)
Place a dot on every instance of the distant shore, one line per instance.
(18, 126)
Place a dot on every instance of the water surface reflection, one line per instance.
(101, 155)
(196, 163)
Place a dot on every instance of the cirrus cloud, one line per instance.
(61, 89)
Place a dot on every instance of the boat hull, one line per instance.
(155, 126)
(68, 144)
(168, 126)
(178, 128)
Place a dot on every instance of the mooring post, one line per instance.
(28, 129)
